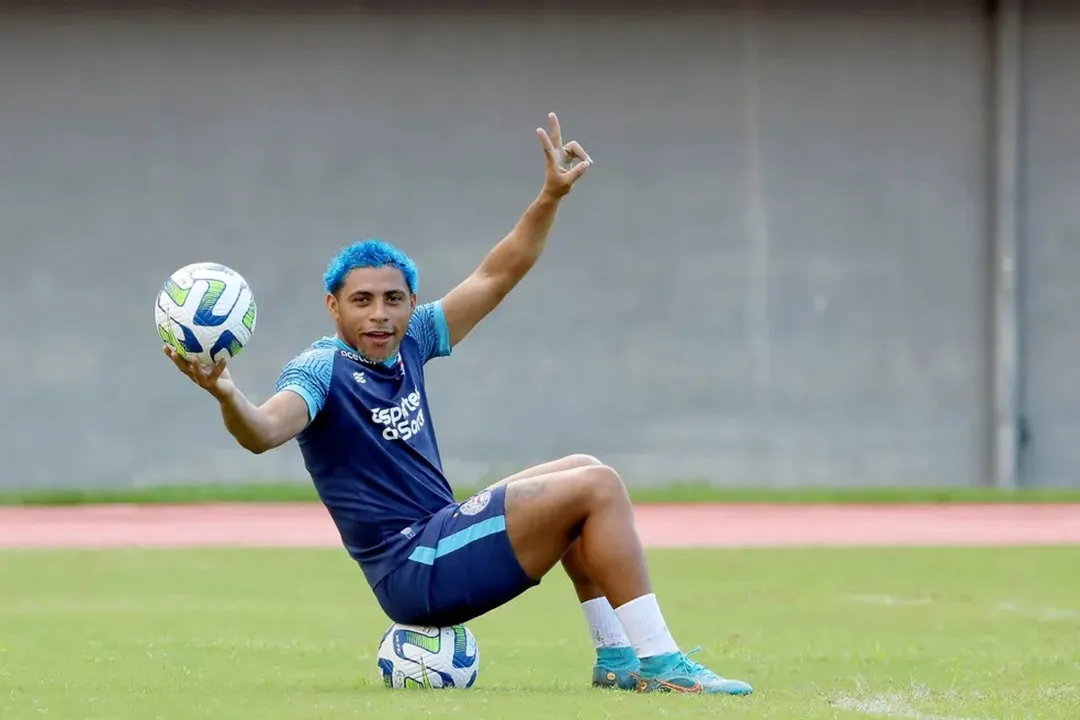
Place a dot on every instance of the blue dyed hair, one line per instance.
(369, 253)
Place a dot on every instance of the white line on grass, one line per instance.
(890, 600)
(892, 705)
(1047, 614)
(1040, 613)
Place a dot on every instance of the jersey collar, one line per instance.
(389, 363)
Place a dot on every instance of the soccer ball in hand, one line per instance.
(411, 656)
(206, 312)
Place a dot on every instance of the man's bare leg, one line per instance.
(589, 506)
(615, 658)
(572, 561)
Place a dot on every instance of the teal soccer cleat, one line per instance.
(615, 668)
(676, 672)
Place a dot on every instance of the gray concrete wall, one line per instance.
(776, 273)
(1050, 255)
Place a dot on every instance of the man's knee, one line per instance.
(567, 462)
(605, 485)
(596, 485)
(581, 460)
(588, 488)
(579, 487)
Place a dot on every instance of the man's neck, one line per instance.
(388, 362)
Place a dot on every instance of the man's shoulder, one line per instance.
(315, 364)
(324, 346)
(429, 330)
(321, 352)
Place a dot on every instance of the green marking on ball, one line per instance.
(431, 644)
(176, 293)
(213, 293)
(249, 316)
(460, 639)
(170, 339)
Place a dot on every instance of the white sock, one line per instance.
(644, 625)
(604, 625)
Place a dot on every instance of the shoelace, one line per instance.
(694, 668)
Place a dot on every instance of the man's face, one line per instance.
(372, 310)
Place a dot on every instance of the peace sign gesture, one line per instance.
(561, 172)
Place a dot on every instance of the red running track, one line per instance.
(751, 525)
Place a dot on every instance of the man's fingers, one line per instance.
(556, 131)
(219, 367)
(178, 360)
(203, 376)
(576, 172)
(549, 147)
(561, 171)
(198, 372)
(574, 149)
(173, 356)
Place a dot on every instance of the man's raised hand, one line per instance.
(562, 172)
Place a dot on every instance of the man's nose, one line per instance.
(379, 312)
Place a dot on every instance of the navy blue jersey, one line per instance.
(370, 443)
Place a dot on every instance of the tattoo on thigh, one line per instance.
(524, 490)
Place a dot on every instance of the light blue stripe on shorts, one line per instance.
(458, 540)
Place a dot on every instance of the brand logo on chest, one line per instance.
(402, 420)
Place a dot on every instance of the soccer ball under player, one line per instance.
(356, 404)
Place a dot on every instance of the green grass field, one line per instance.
(928, 634)
(695, 492)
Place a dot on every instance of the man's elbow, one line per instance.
(496, 284)
(256, 445)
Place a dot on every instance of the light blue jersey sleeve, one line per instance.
(308, 375)
(428, 327)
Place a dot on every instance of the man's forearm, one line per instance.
(516, 253)
(246, 422)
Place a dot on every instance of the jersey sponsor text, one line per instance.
(403, 420)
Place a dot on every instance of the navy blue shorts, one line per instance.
(462, 567)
